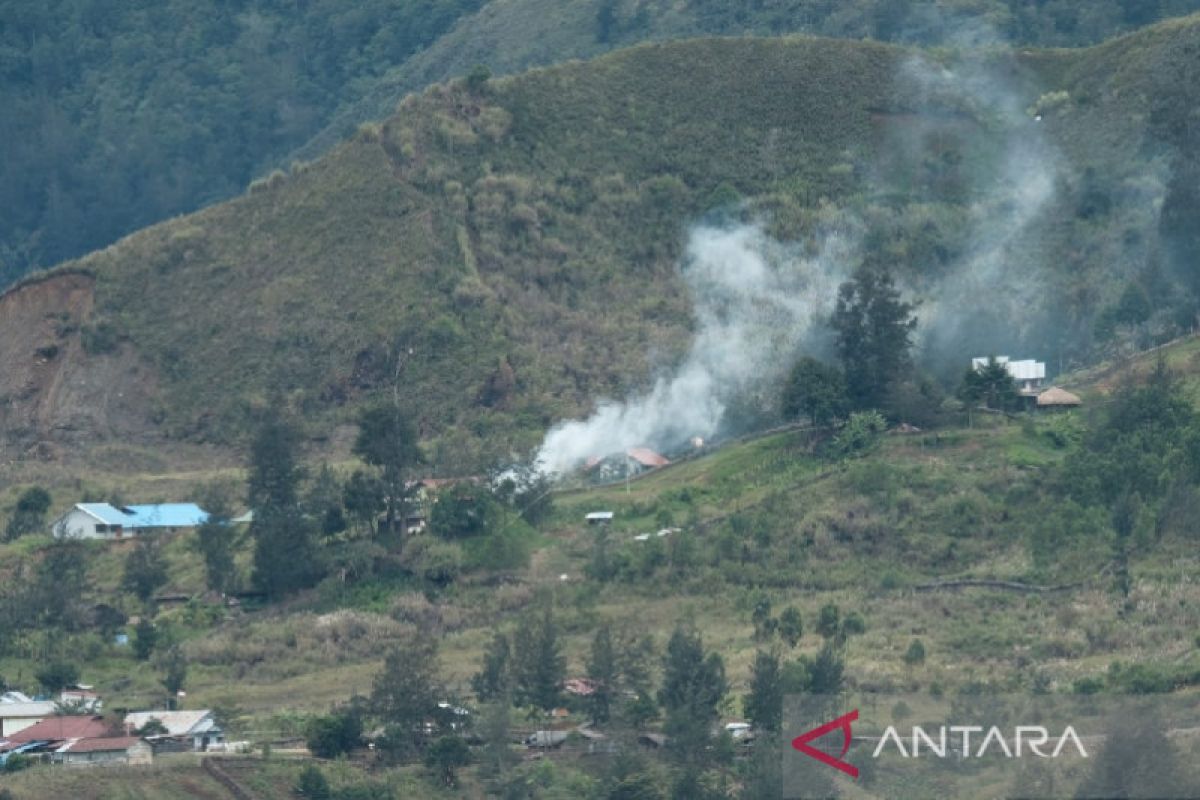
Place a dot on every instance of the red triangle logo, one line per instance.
(801, 743)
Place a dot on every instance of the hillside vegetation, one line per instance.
(760, 526)
(121, 115)
(506, 251)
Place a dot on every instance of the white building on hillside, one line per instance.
(105, 521)
(1029, 374)
(198, 728)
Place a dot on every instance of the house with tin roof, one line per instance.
(106, 521)
(197, 729)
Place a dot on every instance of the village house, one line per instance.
(105, 521)
(1029, 375)
(109, 750)
(187, 730)
(1056, 398)
(620, 466)
(18, 714)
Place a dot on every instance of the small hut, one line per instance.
(1055, 397)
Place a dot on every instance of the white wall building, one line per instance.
(1029, 374)
(105, 521)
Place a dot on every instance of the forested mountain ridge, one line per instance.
(516, 242)
(123, 114)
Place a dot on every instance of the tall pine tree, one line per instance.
(874, 328)
(286, 555)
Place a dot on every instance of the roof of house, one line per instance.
(61, 728)
(1026, 370)
(1055, 396)
(159, 515)
(177, 723)
(15, 697)
(596, 516)
(647, 457)
(35, 708)
(100, 744)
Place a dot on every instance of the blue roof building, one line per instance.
(106, 521)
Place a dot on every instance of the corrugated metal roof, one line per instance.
(101, 745)
(61, 728)
(37, 708)
(107, 514)
(177, 723)
(161, 515)
(647, 457)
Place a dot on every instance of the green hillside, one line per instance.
(521, 236)
(772, 522)
(122, 115)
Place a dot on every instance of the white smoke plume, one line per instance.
(1001, 273)
(755, 300)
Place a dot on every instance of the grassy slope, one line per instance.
(541, 222)
(862, 534)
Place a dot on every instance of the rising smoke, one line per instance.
(757, 300)
(754, 300)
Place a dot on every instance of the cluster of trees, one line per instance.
(357, 527)
(123, 114)
(873, 328)
(29, 513)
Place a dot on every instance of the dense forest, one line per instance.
(119, 115)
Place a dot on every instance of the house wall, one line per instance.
(75, 525)
(97, 757)
(11, 725)
(141, 753)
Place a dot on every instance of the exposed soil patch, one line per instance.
(54, 395)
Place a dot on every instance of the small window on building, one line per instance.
(101, 528)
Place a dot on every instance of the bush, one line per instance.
(334, 735)
(312, 784)
(860, 435)
(465, 511)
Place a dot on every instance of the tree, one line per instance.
(56, 676)
(388, 441)
(286, 557)
(791, 626)
(497, 756)
(860, 435)
(175, 669)
(915, 654)
(828, 621)
(815, 390)
(874, 329)
(540, 663)
(447, 755)
(29, 514)
(764, 624)
(215, 539)
(145, 637)
(693, 686)
(604, 672)
(405, 694)
(312, 784)
(990, 384)
(764, 704)
(465, 510)
(335, 734)
(60, 582)
(145, 568)
(826, 671)
(362, 497)
(492, 682)
(323, 503)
